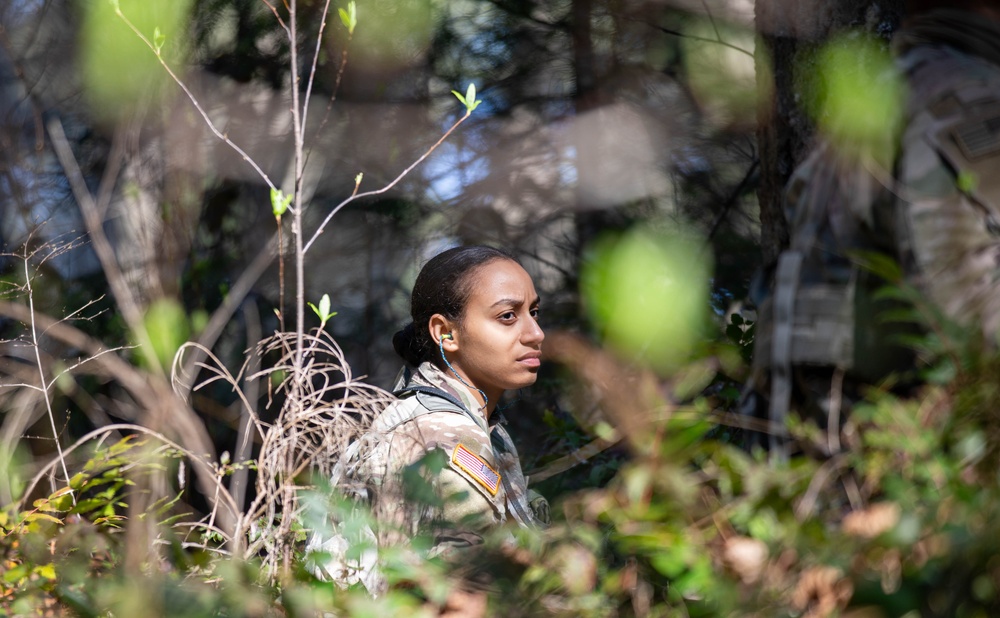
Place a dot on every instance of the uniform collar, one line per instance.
(428, 374)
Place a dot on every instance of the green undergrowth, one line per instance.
(903, 521)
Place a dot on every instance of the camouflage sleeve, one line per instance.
(948, 221)
(468, 484)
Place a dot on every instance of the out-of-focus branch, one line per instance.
(102, 247)
(151, 395)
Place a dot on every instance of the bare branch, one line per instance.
(41, 370)
(102, 247)
(194, 101)
(274, 10)
(312, 70)
(701, 38)
(395, 181)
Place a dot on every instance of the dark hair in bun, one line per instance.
(443, 286)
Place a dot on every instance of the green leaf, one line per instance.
(125, 445)
(357, 179)
(279, 202)
(324, 305)
(78, 480)
(469, 100)
(967, 182)
(168, 328)
(61, 492)
(86, 506)
(16, 573)
(111, 520)
(878, 263)
(30, 517)
(46, 571)
(904, 315)
(323, 310)
(158, 40)
(349, 17)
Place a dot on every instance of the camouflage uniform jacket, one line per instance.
(481, 485)
(937, 214)
(948, 171)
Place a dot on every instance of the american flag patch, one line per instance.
(476, 467)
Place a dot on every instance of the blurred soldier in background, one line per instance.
(933, 206)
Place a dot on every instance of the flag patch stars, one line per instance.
(476, 467)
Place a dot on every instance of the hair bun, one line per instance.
(406, 345)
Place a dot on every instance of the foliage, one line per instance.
(903, 520)
(677, 519)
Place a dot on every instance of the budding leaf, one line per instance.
(357, 179)
(279, 202)
(350, 16)
(469, 100)
(158, 40)
(323, 311)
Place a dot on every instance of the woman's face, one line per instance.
(497, 345)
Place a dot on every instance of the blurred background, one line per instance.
(630, 152)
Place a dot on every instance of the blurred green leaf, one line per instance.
(648, 294)
(168, 328)
(967, 182)
(857, 96)
(158, 39)
(118, 68)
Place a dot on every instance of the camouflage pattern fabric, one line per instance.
(937, 213)
(949, 182)
(481, 485)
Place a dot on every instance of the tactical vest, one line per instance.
(820, 310)
(359, 475)
(415, 401)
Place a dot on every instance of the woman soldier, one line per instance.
(474, 335)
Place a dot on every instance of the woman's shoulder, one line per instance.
(446, 429)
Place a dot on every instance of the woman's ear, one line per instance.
(441, 326)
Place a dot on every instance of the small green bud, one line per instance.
(469, 100)
(323, 310)
(279, 202)
(967, 182)
(158, 40)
